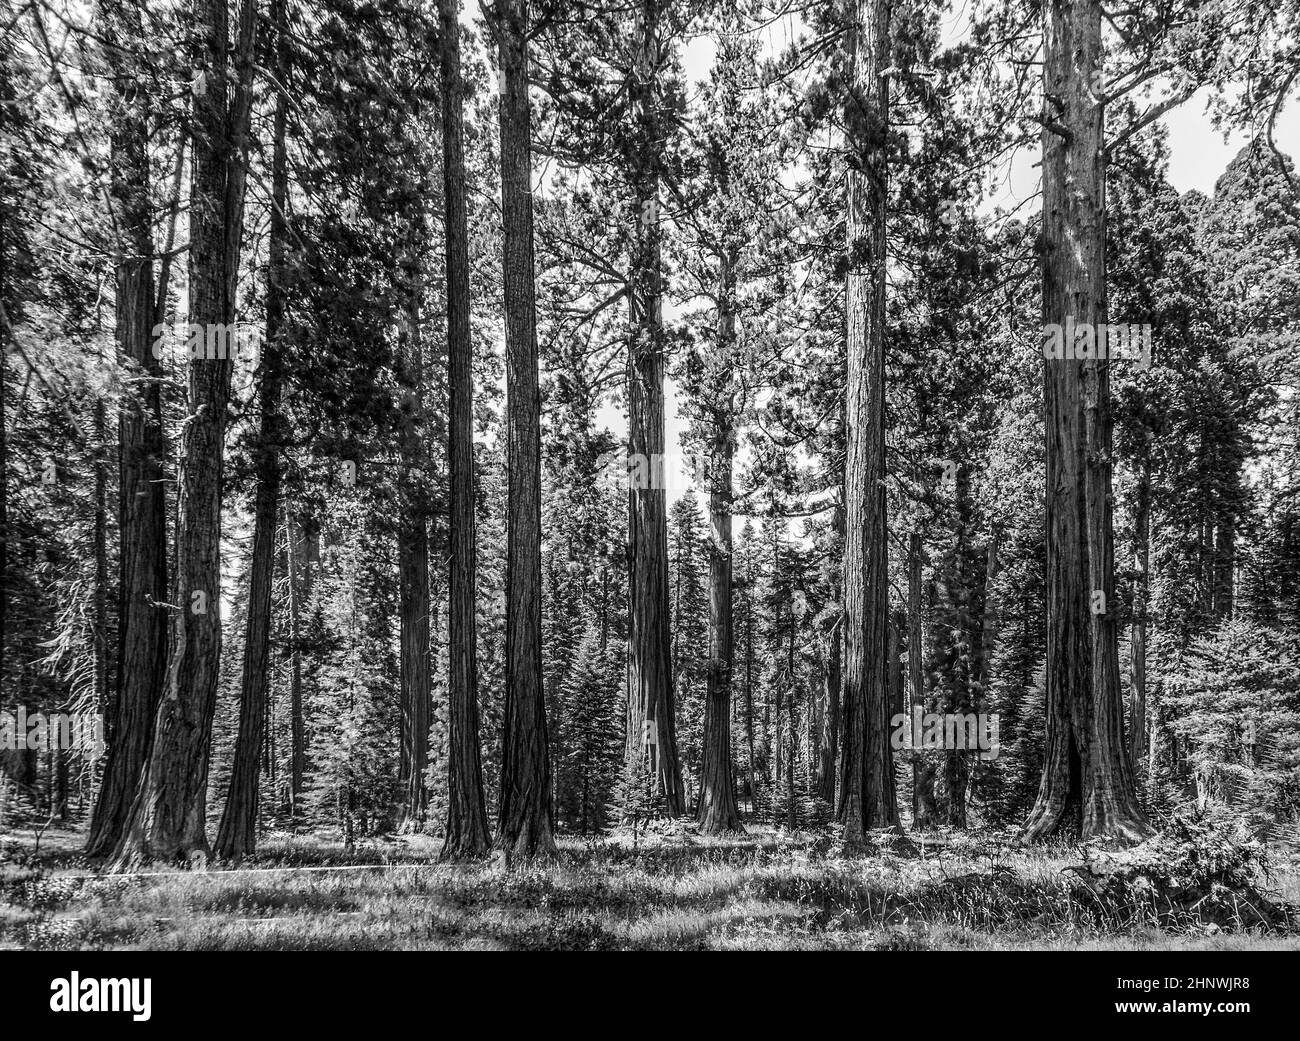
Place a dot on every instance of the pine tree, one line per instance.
(591, 703)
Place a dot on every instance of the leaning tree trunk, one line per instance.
(467, 825)
(167, 817)
(1087, 786)
(718, 811)
(525, 827)
(867, 797)
(237, 832)
(651, 751)
(142, 520)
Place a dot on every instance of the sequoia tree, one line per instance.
(867, 798)
(525, 823)
(1088, 785)
(167, 816)
(467, 826)
(142, 581)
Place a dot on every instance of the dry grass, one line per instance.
(677, 891)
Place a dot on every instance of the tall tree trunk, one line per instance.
(831, 722)
(749, 689)
(867, 798)
(1087, 785)
(237, 832)
(718, 811)
(467, 826)
(299, 572)
(167, 817)
(101, 559)
(1138, 631)
(652, 728)
(964, 596)
(776, 738)
(413, 567)
(525, 827)
(142, 508)
(4, 443)
(923, 804)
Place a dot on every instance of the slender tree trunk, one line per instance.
(831, 722)
(964, 602)
(467, 826)
(4, 459)
(4, 442)
(718, 811)
(413, 568)
(1087, 785)
(100, 542)
(295, 565)
(652, 729)
(778, 687)
(986, 635)
(101, 558)
(1138, 631)
(923, 804)
(142, 508)
(749, 691)
(525, 827)
(867, 798)
(237, 832)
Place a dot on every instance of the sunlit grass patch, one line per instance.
(767, 890)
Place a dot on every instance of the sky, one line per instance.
(1198, 155)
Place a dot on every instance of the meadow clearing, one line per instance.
(668, 890)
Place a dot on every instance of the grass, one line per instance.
(673, 891)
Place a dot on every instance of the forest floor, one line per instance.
(671, 890)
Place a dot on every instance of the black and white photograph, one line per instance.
(650, 475)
